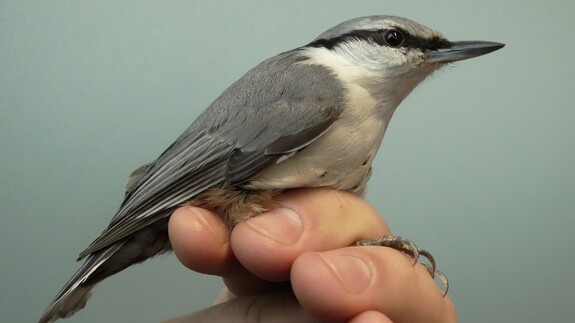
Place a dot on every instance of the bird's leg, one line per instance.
(410, 248)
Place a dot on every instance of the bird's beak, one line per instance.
(457, 51)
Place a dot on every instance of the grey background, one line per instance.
(477, 166)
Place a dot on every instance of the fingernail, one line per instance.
(209, 226)
(353, 272)
(282, 225)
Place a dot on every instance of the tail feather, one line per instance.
(103, 263)
(68, 304)
(75, 294)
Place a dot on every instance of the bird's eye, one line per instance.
(393, 38)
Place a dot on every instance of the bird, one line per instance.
(313, 116)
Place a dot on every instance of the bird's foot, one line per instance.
(410, 248)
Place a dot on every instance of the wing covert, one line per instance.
(271, 113)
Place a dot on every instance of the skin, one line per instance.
(294, 264)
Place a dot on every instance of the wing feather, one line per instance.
(274, 111)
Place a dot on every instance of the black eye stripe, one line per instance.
(377, 36)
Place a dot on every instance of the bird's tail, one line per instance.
(76, 292)
(105, 262)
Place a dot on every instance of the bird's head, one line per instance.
(389, 55)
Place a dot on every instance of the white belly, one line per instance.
(341, 158)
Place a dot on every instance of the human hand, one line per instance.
(305, 243)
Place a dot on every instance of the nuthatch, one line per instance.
(310, 117)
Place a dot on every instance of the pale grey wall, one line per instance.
(478, 165)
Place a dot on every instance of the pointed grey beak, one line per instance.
(457, 51)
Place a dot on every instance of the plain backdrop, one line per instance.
(478, 165)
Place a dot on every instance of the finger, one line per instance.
(279, 307)
(308, 219)
(350, 281)
(224, 296)
(370, 317)
(200, 240)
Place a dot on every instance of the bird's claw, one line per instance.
(439, 275)
(410, 248)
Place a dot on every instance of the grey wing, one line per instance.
(275, 110)
(182, 171)
(136, 176)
